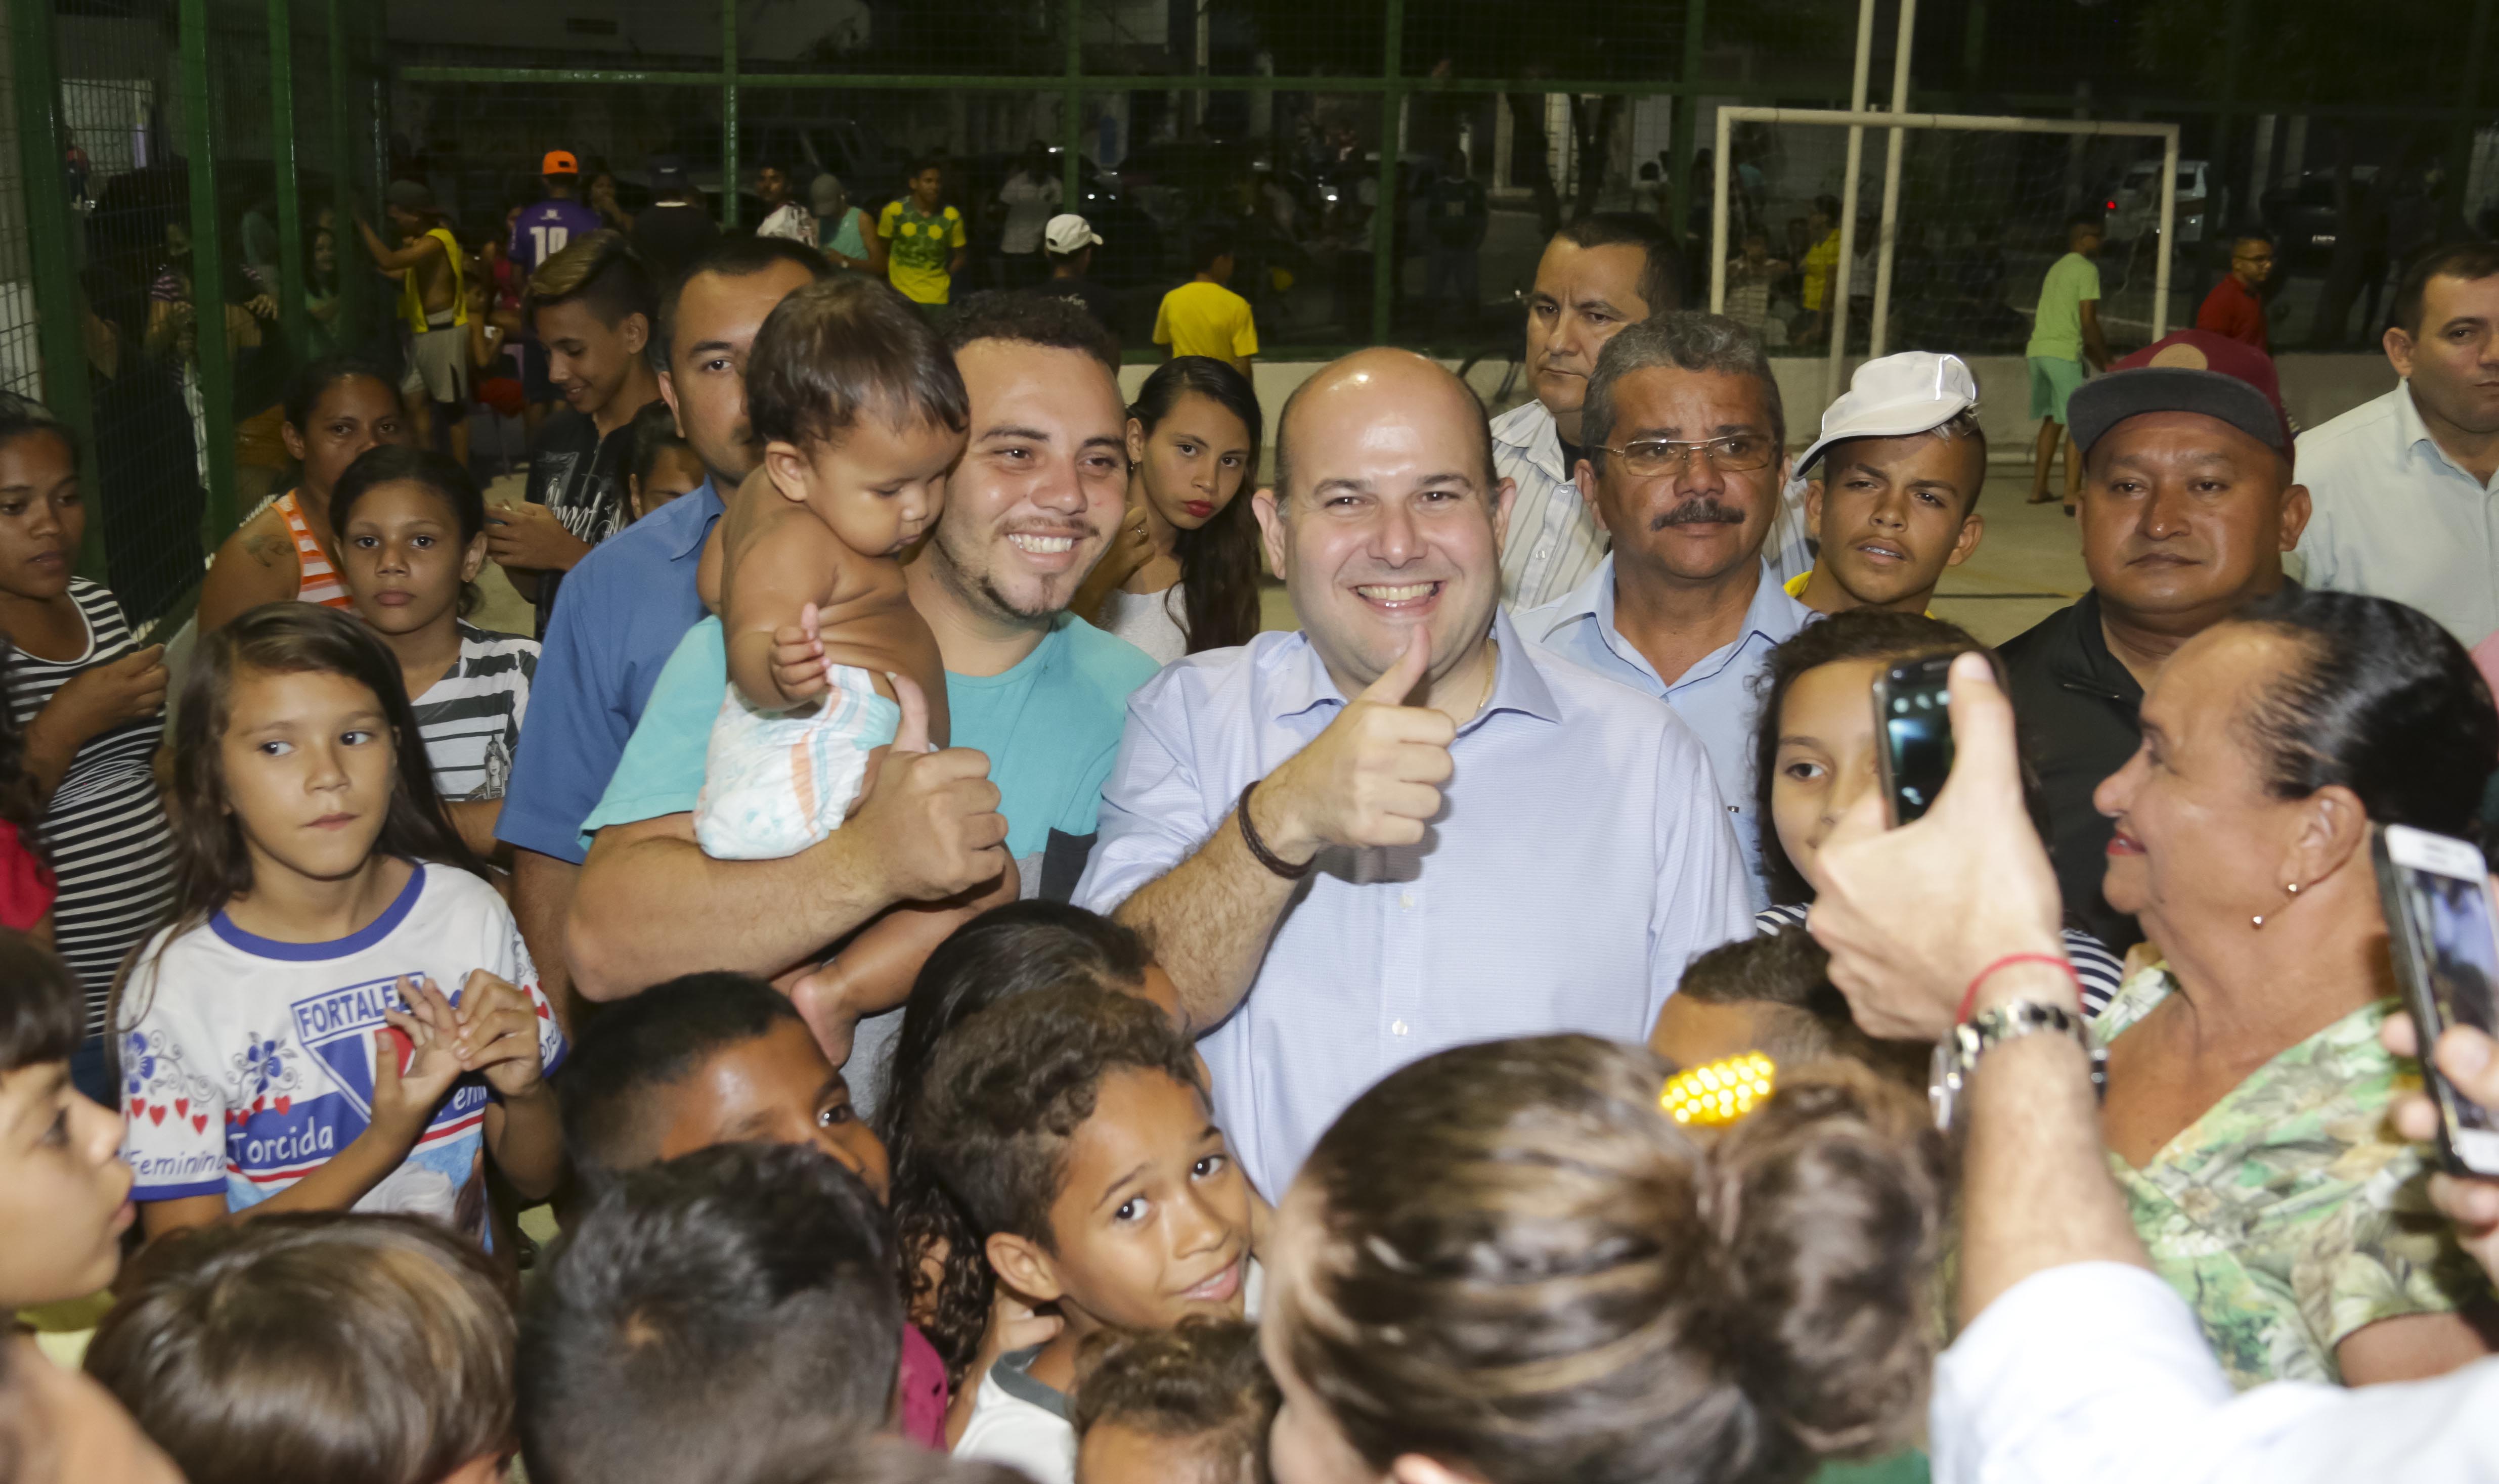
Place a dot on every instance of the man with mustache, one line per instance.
(1684, 461)
(1404, 827)
(1036, 696)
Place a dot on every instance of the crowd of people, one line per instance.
(975, 1001)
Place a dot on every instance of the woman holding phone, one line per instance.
(2248, 1092)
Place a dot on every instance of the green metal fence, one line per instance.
(176, 173)
(177, 218)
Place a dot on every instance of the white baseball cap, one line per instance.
(1068, 232)
(1892, 396)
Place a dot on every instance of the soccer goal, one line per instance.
(1972, 212)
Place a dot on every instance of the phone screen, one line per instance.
(1917, 742)
(2459, 948)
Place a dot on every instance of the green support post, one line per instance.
(377, 132)
(2468, 96)
(2198, 263)
(281, 160)
(1687, 112)
(728, 113)
(208, 273)
(1071, 123)
(354, 273)
(59, 306)
(1383, 216)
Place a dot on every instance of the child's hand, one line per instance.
(497, 1033)
(405, 1099)
(1013, 1326)
(799, 667)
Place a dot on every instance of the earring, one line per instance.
(2292, 888)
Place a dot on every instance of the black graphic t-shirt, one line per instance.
(580, 476)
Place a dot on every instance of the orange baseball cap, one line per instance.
(559, 162)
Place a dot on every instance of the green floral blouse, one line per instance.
(2289, 1215)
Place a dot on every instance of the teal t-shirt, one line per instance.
(1051, 727)
(2059, 329)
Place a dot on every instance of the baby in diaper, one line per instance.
(858, 411)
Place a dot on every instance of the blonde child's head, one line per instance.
(858, 411)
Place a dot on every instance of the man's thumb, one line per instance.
(1399, 682)
(911, 734)
(385, 1060)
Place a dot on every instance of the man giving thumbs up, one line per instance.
(1402, 827)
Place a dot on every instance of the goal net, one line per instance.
(1944, 247)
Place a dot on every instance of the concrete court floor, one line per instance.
(2029, 565)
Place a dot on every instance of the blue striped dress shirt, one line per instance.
(1579, 860)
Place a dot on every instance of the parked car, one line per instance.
(870, 167)
(1132, 242)
(2303, 219)
(2134, 205)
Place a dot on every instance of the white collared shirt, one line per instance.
(1716, 697)
(2098, 1372)
(1579, 861)
(2396, 517)
(1553, 542)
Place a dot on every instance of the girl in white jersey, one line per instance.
(342, 1014)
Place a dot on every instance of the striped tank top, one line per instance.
(104, 824)
(319, 583)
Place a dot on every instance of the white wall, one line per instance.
(2314, 388)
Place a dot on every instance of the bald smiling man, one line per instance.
(1402, 827)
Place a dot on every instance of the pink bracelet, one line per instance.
(1969, 996)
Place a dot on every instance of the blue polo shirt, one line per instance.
(624, 607)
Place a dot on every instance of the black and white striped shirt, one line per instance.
(471, 718)
(2094, 965)
(105, 825)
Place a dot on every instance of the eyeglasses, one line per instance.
(1657, 457)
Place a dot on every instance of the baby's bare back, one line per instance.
(776, 557)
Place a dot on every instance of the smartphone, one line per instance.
(1913, 749)
(2444, 936)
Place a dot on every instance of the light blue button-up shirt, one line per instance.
(1579, 863)
(1717, 698)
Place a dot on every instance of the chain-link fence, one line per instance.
(1383, 170)
(169, 242)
